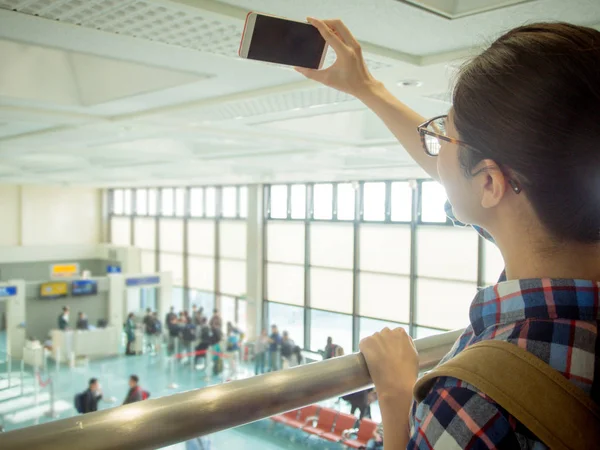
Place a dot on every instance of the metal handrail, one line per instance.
(157, 423)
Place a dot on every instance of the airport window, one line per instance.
(243, 202)
(152, 202)
(278, 202)
(324, 324)
(204, 300)
(374, 202)
(167, 202)
(421, 332)
(433, 199)
(323, 201)
(210, 201)
(287, 318)
(346, 201)
(401, 202)
(117, 202)
(229, 202)
(298, 206)
(180, 202)
(141, 202)
(127, 202)
(196, 202)
(228, 309)
(369, 327)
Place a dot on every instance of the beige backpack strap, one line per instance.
(559, 413)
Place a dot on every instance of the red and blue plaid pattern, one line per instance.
(556, 320)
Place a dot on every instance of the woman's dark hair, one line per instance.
(531, 103)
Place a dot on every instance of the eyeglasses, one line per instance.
(433, 132)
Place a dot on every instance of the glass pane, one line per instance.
(171, 235)
(287, 318)
(278, 206)
(166, 206)
(204, 300)
(144, 232)
(331, 290)
(227, 310)
(232, 277)
(120, 231)
(444, 304)
(229, 202)
(447, 252)
(210, 201)
(384, 297)
(401, 202)
(368, 327)
(325, 324)
(493, 263)
(201, 273)
(292, 235)
(196, 202)
(242, 312)
(148, 262)
(346, 201)
(117, 201)
(127, 202)
(201, 237)
(332, 245)
(152, 202)
(433, 199)
(243, 202)
(232, 239)
(180, 202)
(323, 201)
(374, 201)
(173, 263)
(422, 332)
(298, 201)
(285, 284)
(141, 202)
(385, 248)
(178, 296)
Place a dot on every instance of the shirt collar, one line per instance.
(540, 298)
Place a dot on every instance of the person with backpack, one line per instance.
(135, 393)
(87, 401)
(518, 157)
(205, 341)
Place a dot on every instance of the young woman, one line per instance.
(519, 156)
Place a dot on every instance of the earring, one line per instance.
(515, 187)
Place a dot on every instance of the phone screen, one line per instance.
(282, 41)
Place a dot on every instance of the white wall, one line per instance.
(50, 215)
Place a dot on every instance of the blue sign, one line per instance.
(113, 269)
(8, 291)
(142, 281)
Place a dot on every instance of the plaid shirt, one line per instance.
(555, 320)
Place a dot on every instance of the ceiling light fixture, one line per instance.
(410, 83)
(462, 8)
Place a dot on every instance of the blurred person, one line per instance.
(170, 316)
(157, 326)
(82, 322)
(215, 321)
(360, 401)
(130, 333)
(330, 349)
(87, 401)
(205, 341)
(512, 157)
(376, 442)
(135, 393)
(274, 343)
(287, 350)
(260, 352)
(174, 331)
(188, 336)
(63, 319)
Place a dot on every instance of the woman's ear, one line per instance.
(491, 182)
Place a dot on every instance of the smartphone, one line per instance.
(282, 41)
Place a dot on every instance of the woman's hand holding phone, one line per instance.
(349, 73)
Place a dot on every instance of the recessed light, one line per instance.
(410, 83)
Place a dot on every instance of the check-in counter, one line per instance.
(96, 343)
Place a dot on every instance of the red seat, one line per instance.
(365, 432)
(344, 422)
(305, 413)
(325, 424)
(285, 417)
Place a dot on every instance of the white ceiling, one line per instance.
(150, 92)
